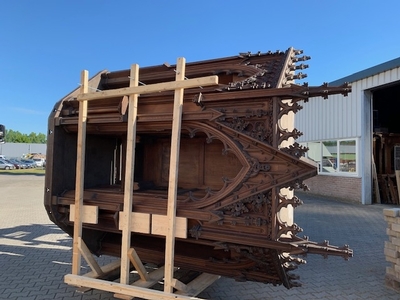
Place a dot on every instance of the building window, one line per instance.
(329, 157)
(347, 156)
(314, 151)
(334, 156)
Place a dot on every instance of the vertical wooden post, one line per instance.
(173, 178)
(80, 175)
(129, 177)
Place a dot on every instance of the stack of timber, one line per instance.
(232, 167)
(387, 171)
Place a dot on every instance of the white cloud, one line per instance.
(27, 111)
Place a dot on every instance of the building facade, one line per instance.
(20, 149)
(349, 137)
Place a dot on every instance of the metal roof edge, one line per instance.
(391, 64)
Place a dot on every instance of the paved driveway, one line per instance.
(35, 254)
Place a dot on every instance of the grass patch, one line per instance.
(36, 171)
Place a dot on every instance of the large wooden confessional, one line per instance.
(183, 166)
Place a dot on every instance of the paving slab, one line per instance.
(35, 254)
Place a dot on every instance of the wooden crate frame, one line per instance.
(140, 288)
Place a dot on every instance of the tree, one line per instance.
(18, 137)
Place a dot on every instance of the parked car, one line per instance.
(17, 163)
(5, 165)
(29, 162)
(9, 161)
(39, 162)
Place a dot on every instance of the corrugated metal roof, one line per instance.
(391, 64)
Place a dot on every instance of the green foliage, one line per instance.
(18, 137)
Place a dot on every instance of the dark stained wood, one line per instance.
(231, 167)
(383, 149)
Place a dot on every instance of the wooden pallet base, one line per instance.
(121, 289)
(142, 287)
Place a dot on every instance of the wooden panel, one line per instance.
(152, 163)
(218, 165)
(189, 163)
(140, 222)
(195, 153)
(159, 226)
(191, 158)
(89, 214)
(165, 157)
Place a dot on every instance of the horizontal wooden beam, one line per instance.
(89, 214)
(159, 226)
(140, 222)
(123, 289)
(151, 88)
(154, 277)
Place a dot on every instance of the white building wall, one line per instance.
(19, 149)
(337, 117)
(341, 117)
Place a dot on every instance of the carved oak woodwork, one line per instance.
(232, 166)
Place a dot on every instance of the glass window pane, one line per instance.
(329, 156)
(347, 156)
(314, 152)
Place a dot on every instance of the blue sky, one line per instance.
(45, 44)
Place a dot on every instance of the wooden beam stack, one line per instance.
(392, 247)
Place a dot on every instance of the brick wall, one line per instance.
(392, 247)
(346, 188)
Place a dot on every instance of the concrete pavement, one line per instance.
(35, 254)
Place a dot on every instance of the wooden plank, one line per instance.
(397, 174)
(151, 88)
(392, 187)
(376, 183)
(393, 193)
(191, 289)
(129, 176)
(79, 180)
(89, 258)
(153, 278)
(199, 284)
(173, 177)
(137, 263)
(140, 222)
(383, 185)
(89, 214)
(180, 286)
(159, 225)
(124, 105)
(111, 267)
(124, 289)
